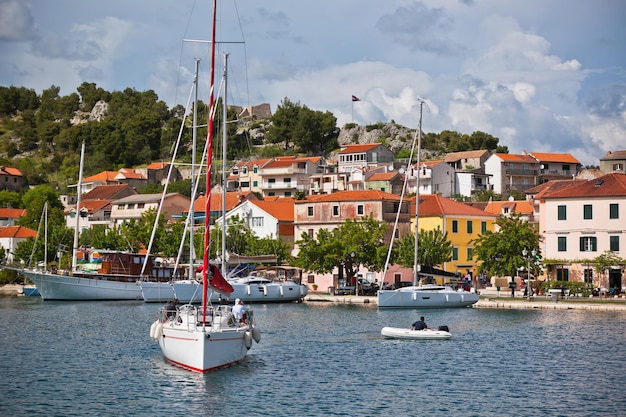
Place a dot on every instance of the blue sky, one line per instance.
(544, 76)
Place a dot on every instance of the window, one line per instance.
(287, 193)
(244, 170)
(470, 227)
(359, 209)
(141, 205)
(255, 170)
(562, 274)
(613, 211)
(287, 180)
(483, 227)
(131, 206)
(618, 167)
(565, 167)
(309, 211)
(455, 226)
(562, 244)
(614, 243)
(455, 254)
(588, 274)
(470, 253)
(588, 244)
(271, 194)
(335, 210)
(587, 212)
(562, 213)
(396, 234)
(271, 180)
(310, 232)
(245, 184)
(257, 222)
(121, 206)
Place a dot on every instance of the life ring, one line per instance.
(247, 340)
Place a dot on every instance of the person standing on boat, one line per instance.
(171, 308)
(240, 310)
(419, 325)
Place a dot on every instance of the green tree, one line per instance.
(501, 251)
(433, 248)
(353, 244)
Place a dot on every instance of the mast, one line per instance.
(207, 207)
(224, 137)
(78, 201)
(193, 167)
(416, 265)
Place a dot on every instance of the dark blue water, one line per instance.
(96, 358)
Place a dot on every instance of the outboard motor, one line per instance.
(443, 328)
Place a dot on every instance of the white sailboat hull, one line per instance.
(157, 292)
(187, 343)
(189, 291)
(81, 288)
(400, 333)
(427, 296)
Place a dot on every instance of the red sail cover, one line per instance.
(218, 283)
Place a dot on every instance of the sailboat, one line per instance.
(205, 338)
(426, 295)
(102, 274)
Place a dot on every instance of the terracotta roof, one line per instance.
(252, 163)
(285, 161)
(102, 176)
(455, 156)
(158, 165)
(520, 207)
(10, 171)
(17, 232)
(436, 205)
(383, 176)
(281, 209)
(106, 192)
(539, 190)
(516, 158)
(555, 157)
(12, 213)
(609, 185)
(610, 156)
(359, 148)
(233, 199)
(361, 195)
(92, 206)
(129, 174)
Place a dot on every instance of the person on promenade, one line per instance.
(419, 325)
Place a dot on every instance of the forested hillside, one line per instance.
(41, 134)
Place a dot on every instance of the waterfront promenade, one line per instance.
(538, 302)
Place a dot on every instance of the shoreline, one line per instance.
(537, 303)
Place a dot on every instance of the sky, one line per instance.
(542, 76)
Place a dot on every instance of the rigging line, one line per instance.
(245, 52)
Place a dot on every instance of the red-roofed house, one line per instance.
(156, 173)
(512, 172)
(11, 236)
(123, 176)
(11, 179)
(269, 218)
(391, 182)
(329, 211)
(364, 155)
(286, 175)
(245, 176)
(233, 199)
(95, 206)
(9, 216)
(556, 166)
(581, 221)
(462, 222)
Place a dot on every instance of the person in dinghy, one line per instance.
(420, 325)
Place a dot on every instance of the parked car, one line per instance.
(366, 287)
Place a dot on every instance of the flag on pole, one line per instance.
(355, 98)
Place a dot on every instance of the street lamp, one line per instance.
(533, 253)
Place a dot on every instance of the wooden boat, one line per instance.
(427, 334)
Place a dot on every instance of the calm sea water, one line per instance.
(96, 359)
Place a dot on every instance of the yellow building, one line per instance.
(462, 222)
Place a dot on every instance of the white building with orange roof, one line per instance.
(556, 166)
(11, 236)
(580, 221)
(9, 216)
(245, 176)
(511, 172)
(123, 176)
(287, 175)
(368, 155)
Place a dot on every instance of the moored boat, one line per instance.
(426, 296)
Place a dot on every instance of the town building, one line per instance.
(613, 162)
(11, 179)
